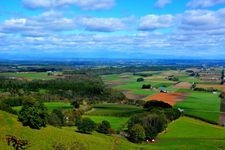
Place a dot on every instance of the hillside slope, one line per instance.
(185, 133)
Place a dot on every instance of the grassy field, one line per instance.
(117, 123)
(185, 133)
(31, 75)
(114, 110)
(51, 106)
(203, 105)
(116, 114)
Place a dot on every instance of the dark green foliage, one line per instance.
(33, 113)
(143, 74)
(172, 78)
(137, 133)
(172, 114)
(156, 104)
(72, 86)
(7, 108)
(104, 127)
(222, 77)
(75, 104)
(140, 79)
(222, 95)
(152, 123)
(56, 118)
(205, 89)
(146, 86)
(86, 125)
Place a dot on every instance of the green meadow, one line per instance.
(203, 105)
(184, 133)
(51, 106)
(31, 75)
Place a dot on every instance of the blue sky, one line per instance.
(112, 29)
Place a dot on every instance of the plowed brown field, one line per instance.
(170, 98)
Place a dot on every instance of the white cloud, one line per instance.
(83, 4)
(102, 24)
(152, 22)
(204, 3)
(162, 3)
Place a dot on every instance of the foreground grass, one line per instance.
(185, 133)
(203, 105)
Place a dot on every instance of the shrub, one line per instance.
(137, 133)
(86, 125)
(75, 104)
(7, 108)
(146, 86)
(140, 79)
(56, 118)
(33, 114)
(156, 104)
(104, 127)
(172, 114)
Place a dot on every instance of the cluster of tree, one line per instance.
(211, 89)
(142, 74)
(140, 79)
(173, 78)
(146, 86)
(147, 125)
(86, 125)
(122, 69)
(33, 113)
(72, 87)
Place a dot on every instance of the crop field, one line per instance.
(31, 75)
(170, 98)
(203, 105)
(114, 110)
(184, 133)
(116, 114)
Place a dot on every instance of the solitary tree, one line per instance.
(86, 125)
(222, 77)
(33, 113)
(137, 133)
(104, 127)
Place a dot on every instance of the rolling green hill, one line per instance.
(185, 133)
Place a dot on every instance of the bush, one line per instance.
(33, 114)
(104, 127)
(56, 118)
(146, 86)
(156, 104)
(140, 79)
(7, 108)
(137, 133)
(86, 125)
(75, 104)
(172, 114)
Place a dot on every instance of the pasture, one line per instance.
(184, 133)
(51, 105)
(203, 105)
(31, 75)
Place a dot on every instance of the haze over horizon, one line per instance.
(166, 29)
